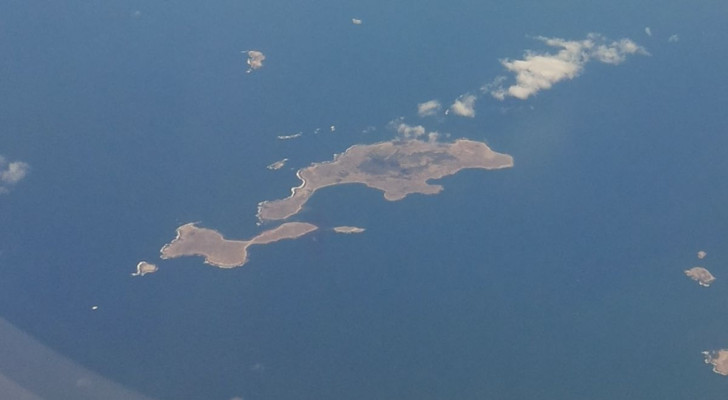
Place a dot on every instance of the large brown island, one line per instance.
(220, 252)
(398, 168)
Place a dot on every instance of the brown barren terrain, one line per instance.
(348, 229)
(719, 360)
(701, 275)
(220, 252)
(144, 268)
(398, 168)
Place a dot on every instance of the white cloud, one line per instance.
(409, 131)
(406, 131)
(673, 38)
(536, 71)
(255, 60)
(11, 173)
(648, 31)
(464, 106)
(433, 136)
(495, 84)
(428, 108)
(356, 21)
(616, 52)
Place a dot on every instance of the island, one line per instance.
(398, 168)
(719, 360)
(348, 229)
(192, 240)
(255, 60)
(144, 268)
(277, 165)
(289, 137)
(701, 275)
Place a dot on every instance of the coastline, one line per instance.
(409, 167)
(224, 253)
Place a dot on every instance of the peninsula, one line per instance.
(701, 275)
(220, 252)
(398, 168)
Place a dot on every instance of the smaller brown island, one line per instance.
(220, 252)
(719, 360)
(277, 165)
(398, 168)
(701, 275)
(144, 268)
(348, 229)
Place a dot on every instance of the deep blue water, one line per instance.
(560, 278)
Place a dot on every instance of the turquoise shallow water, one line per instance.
(560, 278)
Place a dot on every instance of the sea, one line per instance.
(559, 278)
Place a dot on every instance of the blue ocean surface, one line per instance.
(559, 278)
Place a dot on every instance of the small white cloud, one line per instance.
(428, 108)
(495, 84)
(673, 38)
(616, 52)
(406, 131)
(14, 172)
(464, 106)
(433, 136)
(11, 173)
(356, 21)
(255, 60)
(410, 132)
(536, 72)
(648, 31)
